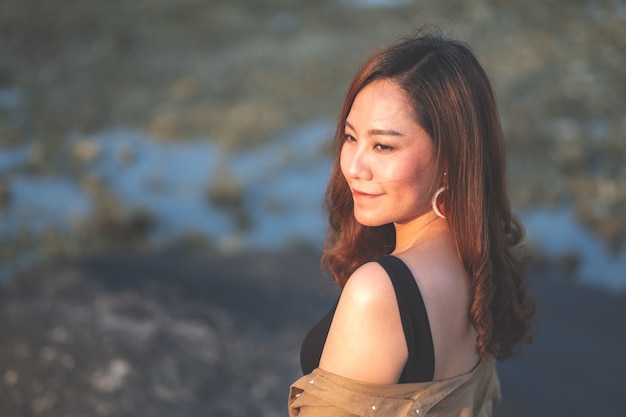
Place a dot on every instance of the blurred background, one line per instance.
(166, 122)
(188, 125)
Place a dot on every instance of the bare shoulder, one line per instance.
(369, 284)
(366, 340)
(367, 295)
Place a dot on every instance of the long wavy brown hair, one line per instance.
(454, 102)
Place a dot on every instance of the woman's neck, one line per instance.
(419, 230)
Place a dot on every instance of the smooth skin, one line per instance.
(387, 160)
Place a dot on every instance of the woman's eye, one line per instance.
(348, 138)
(381, 147)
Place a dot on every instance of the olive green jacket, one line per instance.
(323, 394)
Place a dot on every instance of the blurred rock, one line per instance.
(111, 377)
(213, 334)
(165, 124)
(86, 150)
(185, 88)
(36, 155)
(117, 223)
(226, 191)
(5, 193)
(156, 334)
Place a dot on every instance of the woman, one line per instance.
(421, 241)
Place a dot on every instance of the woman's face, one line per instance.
(386, 157)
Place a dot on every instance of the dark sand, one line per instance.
(162, 334)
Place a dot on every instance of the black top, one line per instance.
(420, 366)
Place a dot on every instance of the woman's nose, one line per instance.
(358, 166)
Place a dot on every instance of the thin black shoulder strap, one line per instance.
(420, 366)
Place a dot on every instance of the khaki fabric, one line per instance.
(322, 393)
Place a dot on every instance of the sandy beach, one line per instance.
(197, 333)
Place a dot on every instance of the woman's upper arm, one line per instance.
(366, 341)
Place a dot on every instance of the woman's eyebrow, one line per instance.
(378, 132)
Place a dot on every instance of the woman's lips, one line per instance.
(362, 194)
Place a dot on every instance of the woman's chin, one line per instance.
(369, 222)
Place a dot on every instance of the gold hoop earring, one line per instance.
(434, 202)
